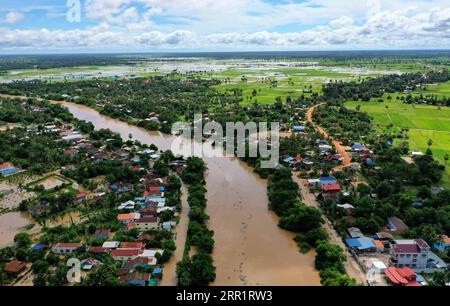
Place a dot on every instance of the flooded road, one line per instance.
(250, 248)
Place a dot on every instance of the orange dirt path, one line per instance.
(339, 147)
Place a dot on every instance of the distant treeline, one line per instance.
(376, 87)
(10, 62)
(434, 57)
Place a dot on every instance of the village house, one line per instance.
(443, 245)
(124, 255)
(131, 246)
(136, 279)
(102, 233)
(358, 147)
(111, 244)
(128, 218)
(8, 169)
(65, 248)
(355, 232)
(97, 250)
(15, 267)
(331, 192)
(147, 223)
(140, 262)
(396, 226)
(127, 205)
(81, 197)
(90, 263)
(401, 276)
(417, 255)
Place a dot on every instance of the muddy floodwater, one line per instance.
(250, 248)
(12, 223)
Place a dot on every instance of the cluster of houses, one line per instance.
(134, 257)
(399, 260)
(325, 156)
(147, 207)
(141, 213)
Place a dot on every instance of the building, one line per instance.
(401, 276)
(131, 245)
(361, 244)
(81, 197)
(65, 248)
(90, 263)
(97, 250)
(147, 223)
(397, 226)
(127, 205)
(443, 245)
(111, 244)
(143, 262)
(327, 181)
(136, 279)
(15, 267)
(102, 233)
(417, 255)
(125, 255)
(128, 218)
(355, 232)
(358, 147)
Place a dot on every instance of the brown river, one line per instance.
(250, 248)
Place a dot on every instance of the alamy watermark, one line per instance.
(237, 139)
(74, 11)
(74, 272)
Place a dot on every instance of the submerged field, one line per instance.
(423, 121)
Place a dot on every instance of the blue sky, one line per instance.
(218, 25)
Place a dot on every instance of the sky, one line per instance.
(45, 26)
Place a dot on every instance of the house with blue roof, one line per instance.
(298, 128)
(327, 181)
(9, 171)
(358, 147)
(157, 272)
(288, 159)
(443, 245)
(38, 247)
(361, 244)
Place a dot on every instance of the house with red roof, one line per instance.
(401, 276)
(125, 254)
(65, 248)
(331, 191)
(15, 267)
(415, 254)
(81, 197)
(131, 245)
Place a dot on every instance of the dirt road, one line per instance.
(339, 147)
(351, 266)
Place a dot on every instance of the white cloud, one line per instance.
(13, 17)
(239, 24)
(344, 21)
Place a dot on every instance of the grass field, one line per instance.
(423, 121)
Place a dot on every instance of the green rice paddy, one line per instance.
(423, 121)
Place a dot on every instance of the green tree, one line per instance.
(22, 240)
